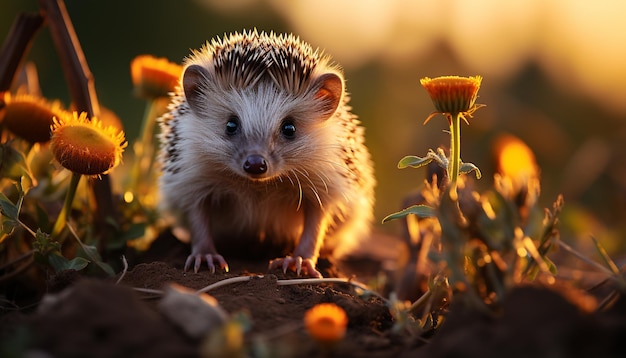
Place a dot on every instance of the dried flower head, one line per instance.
(453, 94)
(326, 322)
(85, 146)
(154, 77)
(29, 117)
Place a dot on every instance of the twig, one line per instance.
(16, 46)
(227, 281)
(82, 90)
(124, 270)
(77, 74)
(572, 251)
(149, 290)
(420, 301)
(608, 300)
(238, 279)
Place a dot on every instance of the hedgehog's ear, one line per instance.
(195, 80)
(329, 92)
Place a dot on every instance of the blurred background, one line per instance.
(554, 76)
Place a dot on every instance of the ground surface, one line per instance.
(99, 318)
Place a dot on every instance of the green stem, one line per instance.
(143, 148)
(59, 225)
(454, 164)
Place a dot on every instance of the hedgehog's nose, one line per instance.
(255, 164)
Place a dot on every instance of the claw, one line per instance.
(296, 263)
(286, 263)
(188, 262)
(222, 262)
(209, 262)
(309, 267)
(210, 259)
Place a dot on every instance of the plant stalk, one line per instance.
(16, 46)
(144, 147)
(82, 90)
(454, 164)
(61, 222)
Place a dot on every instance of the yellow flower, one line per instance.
(326, 322)
(85, 146)
(107, 117)
(154, 77)
(27, 116)
(453, 94)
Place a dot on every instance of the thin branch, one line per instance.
(16, 46)
(82, 90)
(124, 270)
(227, 281)
(582, 257)
(77, 74)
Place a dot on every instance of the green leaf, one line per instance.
(413, 162)
(92, 253)
(77, 263)
(533, 272)
(551, 265)
(9, 218)
(60, 263)
(57, 262)
(422, 211)
(467, 168)
(6, 227)
(135, 231)
(13, 164)
(7, 208)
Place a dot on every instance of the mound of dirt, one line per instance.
(104, 318)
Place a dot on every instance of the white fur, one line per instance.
(307, 177)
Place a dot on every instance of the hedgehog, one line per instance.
(260, 154)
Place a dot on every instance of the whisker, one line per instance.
(299, 189)
(290, 180)
(323, 181)
(313, 188)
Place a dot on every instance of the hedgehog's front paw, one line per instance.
(211, 260)
(297, 263)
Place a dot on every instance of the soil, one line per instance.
(102, 318)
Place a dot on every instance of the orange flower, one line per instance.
(453, 94)
(154, 77)
(107, 117)
(326, 322)
(28, 117)
(85, 146)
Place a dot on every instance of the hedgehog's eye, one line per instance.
(232, 126)
(288, 129)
